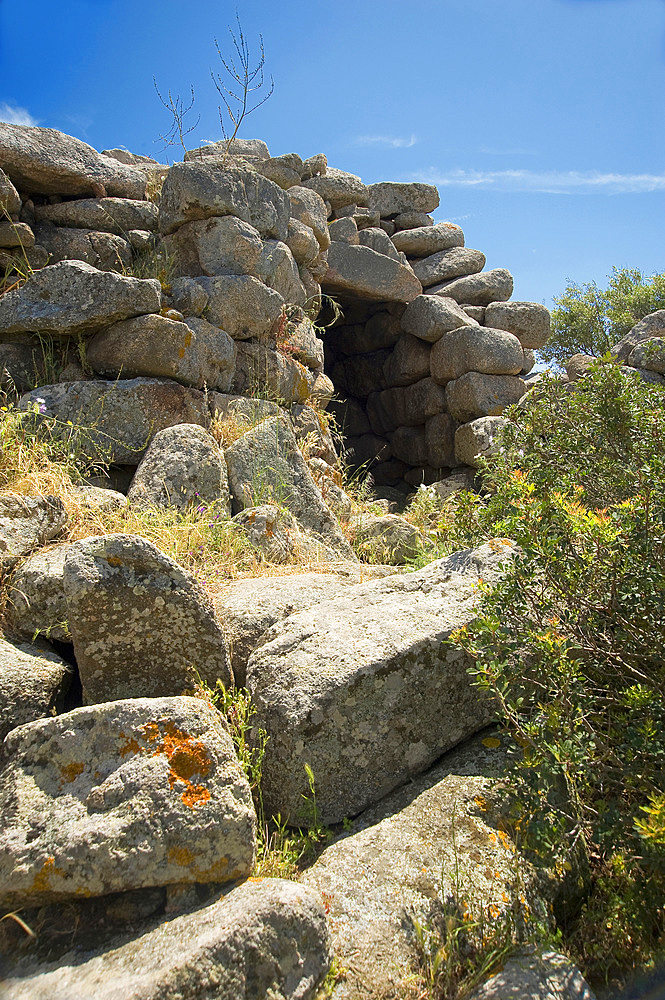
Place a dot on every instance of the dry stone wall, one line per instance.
(241, 246)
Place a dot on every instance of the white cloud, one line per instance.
(385, 140)
(16, 116)
(546, 181)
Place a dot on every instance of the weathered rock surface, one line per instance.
(26, 522)
(194, 353)
(273, 532)
(261, 370)
(15, 234)
(302, 242)
(477, 439)
(475, 349)
(45, 161)
(33, 684)
(430, 316)
(536, 976)
(10, 200)
(248, 608)
(309, 208)
(277, 269)
(363, 690)
(338, 187)
(529, 321)
(241, 304)
(141, 625)
(103, 251)
(448, 264)
(478, 289)
(387, 538)
(440, 441)
(105, 215)
(391, 198)
(649, 354)
(265, 465)
(266, 938)
(194, 190)
(477, 395)
(117, 420)
(216, 246)
(71, 297)
(398, 858)
(129, 794)
(248, 149)
(36, 601)
(426, 240)
(183, 466)
(652, 325)
(360, 271)
(408, 362)
(377, 240)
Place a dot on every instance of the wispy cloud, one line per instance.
(16, 116)
(385, 140)
(546, 181)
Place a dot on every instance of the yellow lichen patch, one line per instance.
(181, 856)
(217, 871)
(42, 880)
(114, 560)
(185, 344)
(70, 772)
(491, 742)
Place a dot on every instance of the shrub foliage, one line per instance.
(571, 643)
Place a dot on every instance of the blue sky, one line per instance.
(541, 121)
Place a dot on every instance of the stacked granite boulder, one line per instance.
(427, 343)
(425, 356)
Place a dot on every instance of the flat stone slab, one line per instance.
(267, 938)
(45, 161)
(104, 215)
(120, 796)
(193, 352)
(116, 421)
(534, 975)
(246, 609)
(392, 197)
(72, 297)
(426, 240)
(363, 689)
(364, 273)
(478, 289)
(398, 858)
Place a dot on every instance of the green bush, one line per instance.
(589, 320)
(571, 643)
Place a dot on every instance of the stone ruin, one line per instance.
(247, 247)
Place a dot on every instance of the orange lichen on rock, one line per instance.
(70, 772)
(188, 758)
(42, 880)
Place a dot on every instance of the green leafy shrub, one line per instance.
(590, 320)
(571, 644)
